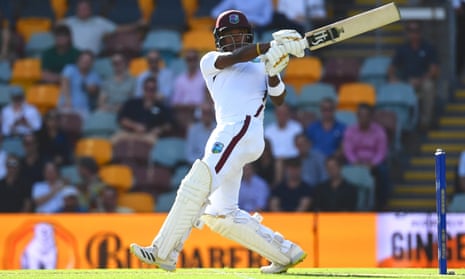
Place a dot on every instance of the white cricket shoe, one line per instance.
(297, 255)
(148, 256)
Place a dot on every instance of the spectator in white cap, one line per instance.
(19, 118)
(71, 201)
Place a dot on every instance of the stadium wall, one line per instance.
(331, 240)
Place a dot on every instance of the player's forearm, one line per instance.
(242, 54)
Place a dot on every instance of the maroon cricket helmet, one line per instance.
(231, 19)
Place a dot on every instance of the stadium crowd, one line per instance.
(150, 108)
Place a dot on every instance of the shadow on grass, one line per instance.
(351, 275)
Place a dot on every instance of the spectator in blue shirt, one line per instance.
(80, 85)
(326, 133)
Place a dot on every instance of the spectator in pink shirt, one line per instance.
(366, 143)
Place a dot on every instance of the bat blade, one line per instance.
(352, 26)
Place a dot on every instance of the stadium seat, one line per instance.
(201, 23)
(100, 124)
(26, 72)
(169, 15)
(138, 201)
(152, 179)
(177, 66)
(132, 152)
(352, 94)
(71, 174)
(146, 7)
(374, 70)
(201, 40)
(4, 95)
(347, 117)
(341, 70)
(28, 26)
(5, 71)
(400, 98)
(103, 67)
(162, 40)
(361, 177)
(204, 8)
(13, 145)
(137, 66)
(457, 204)
(311, 95)
(44, 96)
(59, 8)
(301, 71)
(165, 201)
(98, 148)
(178, 175)
(32, 9)
(305, 117)
(39, 42)
(118, 176)
(123, 12)
(168, 151)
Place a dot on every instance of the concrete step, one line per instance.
(420, 189)
(457, 121)
(408, 204)
(460, 94)
(430, 148)
(455, 108)
(426, 176)
(446, 135)
(451, 161)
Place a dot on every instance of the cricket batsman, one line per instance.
(240, 76)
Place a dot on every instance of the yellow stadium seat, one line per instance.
(44, 96)
(138, 65)
(28, 26)
(205, 23)
(118, 176)
(190, 6)
(26, 72)
(354, 93)
(200, 39)
(98, 148)
(146, 8)
(59, 8)
(302, 71)
(140, 202)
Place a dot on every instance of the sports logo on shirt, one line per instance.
(234, 18)
(217, 147)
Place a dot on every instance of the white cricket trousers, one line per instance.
(229, 148)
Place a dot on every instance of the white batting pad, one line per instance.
(247, 231)
(186, 210)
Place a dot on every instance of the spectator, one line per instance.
(89, 31)
(53, 142)
(54, 59)
(32, 164)
(416, 62)
(91, 185)
(48, 194)
(254, 191)
(313, 161)
(118, 88)
(15, 192)
(306, 13)
(326, 133)
(164, 76)
(189, 87)
(267, 166)
(292, 194)
(3, 156)
(71, 201)
(335, 193)
(19, 118)
(145, 118)
(282, 132)
(199, 132)
(11, 45)
(108, 202)
(258, 12)
(460, 185)
(80, 85)
(365, 143)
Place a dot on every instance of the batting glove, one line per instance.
(286, 35)
(276, 60)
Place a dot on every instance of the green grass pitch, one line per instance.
(237, 273)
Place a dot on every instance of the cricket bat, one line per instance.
(352, 26)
